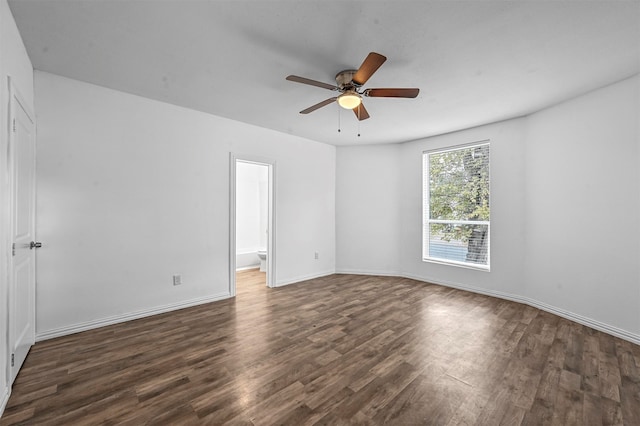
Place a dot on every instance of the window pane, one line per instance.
(460, 243)
(459, 184)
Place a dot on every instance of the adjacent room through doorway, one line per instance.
(253, 216)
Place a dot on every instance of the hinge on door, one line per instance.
(13, 249)
(13, 359)
(14, 124)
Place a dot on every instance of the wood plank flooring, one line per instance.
(335, 350)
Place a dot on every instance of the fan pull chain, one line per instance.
(338, 119)
(359, 120)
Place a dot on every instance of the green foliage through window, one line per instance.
(457, 204)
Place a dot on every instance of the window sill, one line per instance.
(484, 268)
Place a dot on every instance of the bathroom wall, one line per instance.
(252, 202)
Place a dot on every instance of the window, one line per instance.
(456, 206)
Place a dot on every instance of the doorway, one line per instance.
(252, 217)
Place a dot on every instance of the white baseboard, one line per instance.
(246, 268)
(5, 399)
(304, 278)
(369, 272)
(597, 325)
(89, 325)
(472, 289)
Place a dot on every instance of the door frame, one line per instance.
(16, 100)
(234, 158)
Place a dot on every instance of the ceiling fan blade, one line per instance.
(392, 93)
(361, 112)
(370, 65)
(318, 105)
(311, 82)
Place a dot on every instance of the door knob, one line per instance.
(35, 244)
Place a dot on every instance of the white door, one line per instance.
(22, 281)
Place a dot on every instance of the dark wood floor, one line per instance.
(335, 350)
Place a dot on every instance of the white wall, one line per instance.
(252, 199)
(132, 191)
(367, 214)
(583, 206)
(379, 210)
(565, 203)
(507, 210)
(14, 62)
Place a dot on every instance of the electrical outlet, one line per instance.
(177, 279)
(317, 256)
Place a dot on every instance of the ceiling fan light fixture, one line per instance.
(349, 85)
(349, 100)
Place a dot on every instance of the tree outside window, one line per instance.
(457, 205)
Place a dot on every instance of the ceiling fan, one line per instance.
(349, 84)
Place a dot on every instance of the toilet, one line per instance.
(262, 254)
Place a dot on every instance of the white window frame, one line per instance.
(426, 220)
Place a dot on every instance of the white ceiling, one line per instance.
(475, 62)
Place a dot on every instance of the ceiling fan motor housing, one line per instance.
(344, 79)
